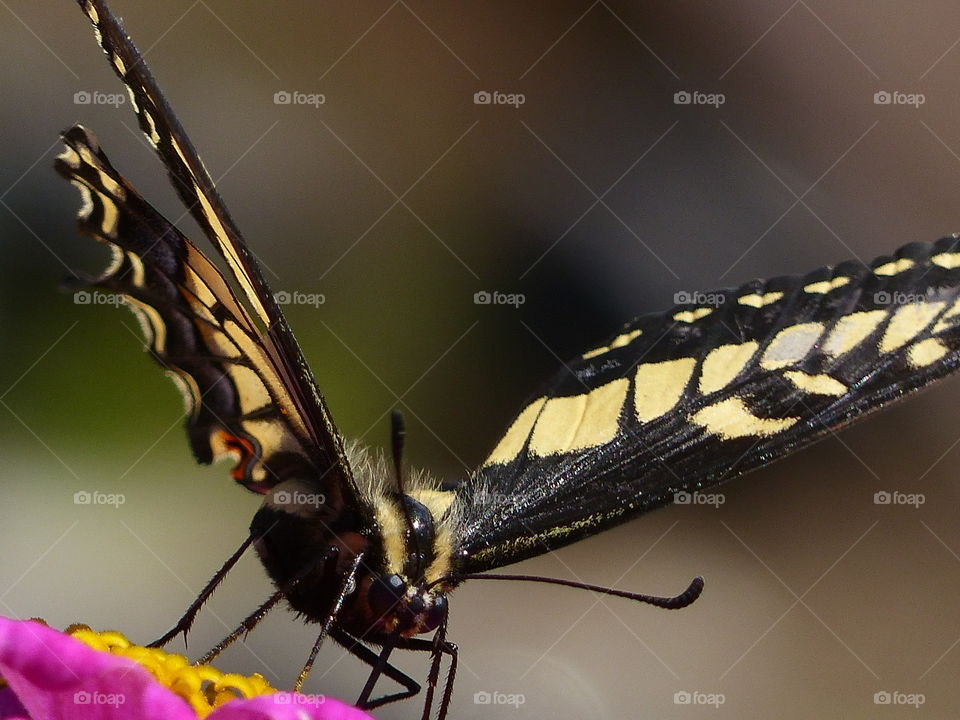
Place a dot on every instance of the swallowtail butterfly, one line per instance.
(672, 402)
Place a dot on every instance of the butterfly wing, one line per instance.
(237, 403)
(265, 330)
(684, 400)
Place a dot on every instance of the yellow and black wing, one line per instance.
(248, 386)
(681, 401)
(237, 401)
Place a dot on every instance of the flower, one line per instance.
(85, 675)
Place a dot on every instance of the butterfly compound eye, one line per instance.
(433, 615)
(385, 593)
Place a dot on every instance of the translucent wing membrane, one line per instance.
(195, 187)
(684, 400)
(236, 401)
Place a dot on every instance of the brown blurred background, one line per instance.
(816, 597)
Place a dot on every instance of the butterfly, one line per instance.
(670, 404)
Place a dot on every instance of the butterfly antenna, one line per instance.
(398, 436)
(687, 597)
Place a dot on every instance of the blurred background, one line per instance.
(588, 186)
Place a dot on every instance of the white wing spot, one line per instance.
(731, 419)
(908, 322)
(689, 316)
(512, 442)
(947, 321)
(825, 286)
(791, 345)
(947, 260)
(723, 364)
(895, 267)
(926, 352)
(625, 339)
(581, 422)
(619, 341)
(851, 330)
(758, 301)
(816, 384)
(659, 386)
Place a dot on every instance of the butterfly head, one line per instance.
(398, 586)
(404, 608)
(402, 597)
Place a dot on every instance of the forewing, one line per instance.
(681, 401)
(195, 187)
(236, 402)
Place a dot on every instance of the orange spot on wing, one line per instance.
(244, 450)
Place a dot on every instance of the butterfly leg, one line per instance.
(184, 623)
(356, 648)
(248, 624)
(254, 618)
(440, 646)
(345, 588)
(437, 647)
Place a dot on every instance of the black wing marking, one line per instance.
(195, 187)
(684, 400)
(237, 403)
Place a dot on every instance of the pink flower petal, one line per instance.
(288, 706)
(58, 678)
(10, 707)
(52, 676)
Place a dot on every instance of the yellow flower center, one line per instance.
(203, 686)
